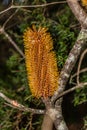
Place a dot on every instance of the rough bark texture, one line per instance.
(65, 74)
(47, 123)
(78, 12)
(70, 62)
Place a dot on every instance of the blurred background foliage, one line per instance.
(64, 29)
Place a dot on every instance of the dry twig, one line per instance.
(9, 18)
(79, 65)
(70, 62)
(75, 74)
(31, 6)
(2, 31)
(79, 86)
(15, 104)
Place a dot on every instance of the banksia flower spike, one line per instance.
(84, 2)
(41, 62)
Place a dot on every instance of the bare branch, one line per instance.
(79, 86)
(10, 18)
(70, 62)
(75, 74)
(59, 121)
(31, 6)
(78, 12)
(64, 76)
(15, 104)
(2, 31)
(79, 65)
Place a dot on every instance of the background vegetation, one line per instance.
(64, 29)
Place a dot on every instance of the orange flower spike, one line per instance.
(41, 62)
(84, 2)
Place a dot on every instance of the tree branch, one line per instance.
(79, 65)
(79, 86)
(15, 104)
(31, 6)
(78, 12)
(70, 62)
(9, 18)
(64, 76)
(75, 74)
(2, 31)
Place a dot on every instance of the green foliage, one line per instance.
(81, 94)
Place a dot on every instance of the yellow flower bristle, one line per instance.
(41, 62)
(84, 2)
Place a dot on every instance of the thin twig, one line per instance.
(10, 18)
(70, 62)
(2, 31)
(79, 65)
(31, 6)
(15, 104)
(75, 74)
(79, 86)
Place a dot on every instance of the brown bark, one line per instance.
(70, 62)
(47, 123)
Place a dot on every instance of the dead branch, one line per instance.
(70, 62)
(79, 65)
(10, 18)
(75, 74)
(78, 12)
(2, 31)
(64, 76)
(15, 104)
(31, 6)
(79, 86)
